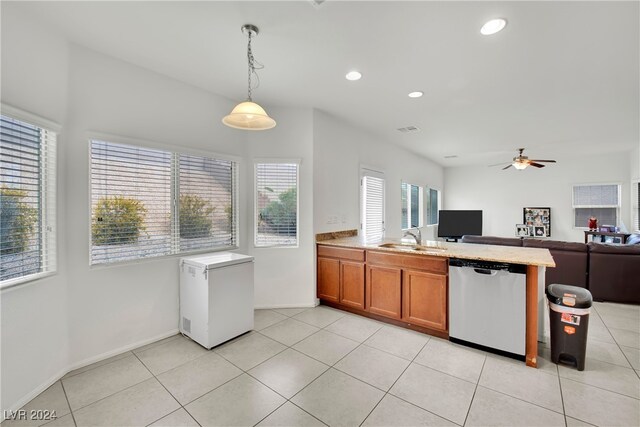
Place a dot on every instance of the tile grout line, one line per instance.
(616, 341)
(564, 410)
(73, 418)
(170, 394)
(394, 383)
(473, 396)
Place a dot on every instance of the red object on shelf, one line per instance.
(593, 223)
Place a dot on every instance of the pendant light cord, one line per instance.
(253, 66)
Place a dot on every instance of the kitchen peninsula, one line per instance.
(408, 285)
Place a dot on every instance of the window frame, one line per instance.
(635, 205)
(175, 151)
(421, 205)
(286, 161)
(48, 212)
(439, 206)
(375, 173)
(595, 184)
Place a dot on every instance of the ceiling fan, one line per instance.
(521, 162)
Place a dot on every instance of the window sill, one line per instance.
(159, 258)
(24, 280)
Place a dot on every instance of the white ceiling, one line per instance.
(562, 76)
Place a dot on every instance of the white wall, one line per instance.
(115, 306)
(338, 152)
(33, 349)
(502, 194)
(634, 163)
(284, 276)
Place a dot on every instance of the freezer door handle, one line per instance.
(485, 271)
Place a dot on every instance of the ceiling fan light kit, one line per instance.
(521, 162)
(248, 115)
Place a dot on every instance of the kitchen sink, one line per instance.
(411, 247)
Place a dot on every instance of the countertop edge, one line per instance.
(453, 250)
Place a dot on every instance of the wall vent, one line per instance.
(186, 325)
(409, 129)
(451, 157)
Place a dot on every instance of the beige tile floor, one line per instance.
(319, 366)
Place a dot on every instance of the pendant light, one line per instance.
(248, 115)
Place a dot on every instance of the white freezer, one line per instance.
(216, 297)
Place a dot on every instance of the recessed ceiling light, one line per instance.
(416, 94)
(493, 26)
(353, 75)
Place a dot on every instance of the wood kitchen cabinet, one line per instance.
(405, 289)
(329, 279)
(384, 291)
(424, 299)
(341, 276)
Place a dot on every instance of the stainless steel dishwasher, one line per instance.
(487, 305)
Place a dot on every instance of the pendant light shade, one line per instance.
(248, 115)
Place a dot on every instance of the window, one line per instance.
(147, 203)
(599, 200)
(411, 206)
(372, 211)
(27, 200)
(433, 205)
(635, 205)
(276, 204)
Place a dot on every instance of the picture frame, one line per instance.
(537, 217)
(539, 231)
(523, 230)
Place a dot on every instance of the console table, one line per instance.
(623, 236)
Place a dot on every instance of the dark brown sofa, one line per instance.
(571, 261)
(614, 272)
(570, 258)
(492, 240)
(610, 272)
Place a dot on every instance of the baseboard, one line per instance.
(265, 307)
(124, 349)
(31, 395)
(86, 362)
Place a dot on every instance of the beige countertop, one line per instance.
(511, 254)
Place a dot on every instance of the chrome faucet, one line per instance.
(417, 235)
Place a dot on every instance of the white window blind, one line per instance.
(372, 207)
(27, 200)
(411, 206)
(635, 203)
(433, 205)
(207, 218)
(131, 202)
(599, 200)
(276, 204)
(148, 203)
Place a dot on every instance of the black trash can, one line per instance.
(569, 308)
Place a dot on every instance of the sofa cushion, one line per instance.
(571, 261)
(613, 249)
(614, 273)
(491, 240)
(555, 245)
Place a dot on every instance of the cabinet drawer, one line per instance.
(420, 262)
(342, 253)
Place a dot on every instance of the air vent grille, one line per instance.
(409, 129)
(451, 157)
(186, 325)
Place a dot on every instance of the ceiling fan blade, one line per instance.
(507, 166)
(500, 164)
(545, 161)
(537, 165)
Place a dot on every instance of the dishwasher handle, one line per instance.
(486, 271)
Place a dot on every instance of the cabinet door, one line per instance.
(384, 291)
(425, 299)
(329, 279)
(352, 284)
